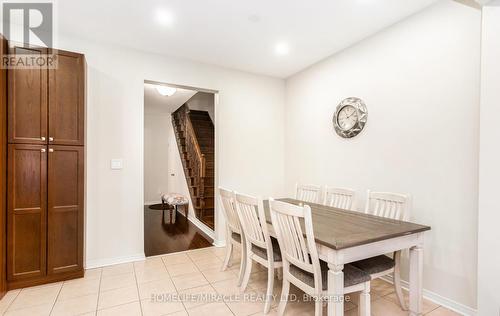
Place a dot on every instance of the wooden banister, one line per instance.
(193, 158)
(193, 140)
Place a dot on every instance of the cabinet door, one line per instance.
(65, 209)
(66, 99)
(27, 100)
(26, 211)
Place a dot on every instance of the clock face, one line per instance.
(350, 117)
(347, 117)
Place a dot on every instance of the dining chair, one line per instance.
(339, 198)
(308, 193)
(301, 264)
(234, 233)
(260, 246)
(394, 206)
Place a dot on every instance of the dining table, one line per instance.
(345, 236)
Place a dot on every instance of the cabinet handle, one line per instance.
(42, 138)
(51, 139)
(42, 150)
(51, 150)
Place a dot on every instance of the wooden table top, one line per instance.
(340, 229)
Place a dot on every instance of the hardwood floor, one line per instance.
(162, 238)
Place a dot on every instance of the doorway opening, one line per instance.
(179, 168)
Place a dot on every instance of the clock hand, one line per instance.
(351, 114)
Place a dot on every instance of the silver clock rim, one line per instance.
(362, 112)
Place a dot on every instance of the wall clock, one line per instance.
(350, 117)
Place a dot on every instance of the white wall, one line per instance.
(489, 210)
(249, 136)
(420, 81)
(157, 165)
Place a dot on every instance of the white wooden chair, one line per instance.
(301, 264)
(259, 244)
(308, 193)
(394, 206)
(234, 233)
(339, 198)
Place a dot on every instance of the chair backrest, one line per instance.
(296, 249)
(308, 193)
(229, 210)
(339, 198)
(389, 205)
(253, 220)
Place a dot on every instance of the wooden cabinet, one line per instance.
(26, 211)
(27, 100)
(53, 112)
(3, 170)
(66, 100)
(65, 209)
(45, 170)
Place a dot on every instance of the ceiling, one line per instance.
(236, 34)
(155, 103)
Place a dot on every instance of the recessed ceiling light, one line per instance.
(164, 17)
(281, 49)
(166, 91)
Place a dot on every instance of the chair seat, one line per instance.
(261, 252)
(174, 199)
(375, 265)
(236, 237)
(352, 275)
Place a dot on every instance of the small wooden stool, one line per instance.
(174, 200)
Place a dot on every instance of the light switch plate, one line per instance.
(116, 164)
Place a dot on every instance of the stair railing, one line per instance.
(197, 158)
(193, 140)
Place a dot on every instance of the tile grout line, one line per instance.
(137, 287)
(210, 284)
(57, 296)
(175, 287)
(438, 307)
(15, 297)
(165, 266)
(98, 291)
(227, 306)
(384, 297)
(230, 263)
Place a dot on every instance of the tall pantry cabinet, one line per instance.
(45, 169)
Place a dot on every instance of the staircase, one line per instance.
(194, 132)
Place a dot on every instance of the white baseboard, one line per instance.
(219, 243)
(98, 263)
(440, 300)
(204, 228)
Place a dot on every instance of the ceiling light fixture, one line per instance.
(281, 49)
(166, 91)
(164, 17)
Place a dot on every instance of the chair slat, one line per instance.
(308, 193)
(339, 198)
(388, 205)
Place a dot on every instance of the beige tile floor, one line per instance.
(126, 289)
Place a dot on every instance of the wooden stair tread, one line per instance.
(201, 190)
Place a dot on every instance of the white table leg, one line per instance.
(416, 273)
(335, 290)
